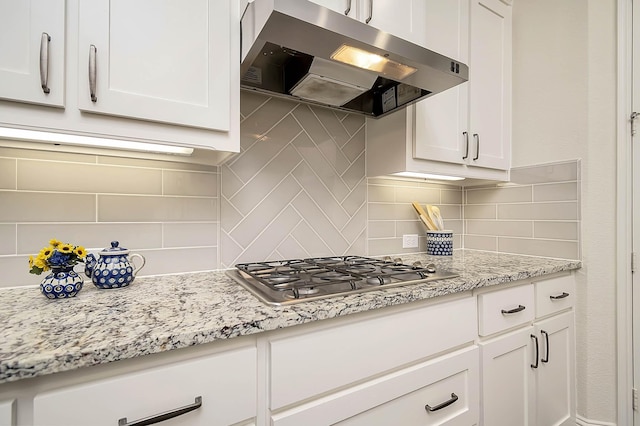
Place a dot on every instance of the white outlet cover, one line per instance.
(410, 241)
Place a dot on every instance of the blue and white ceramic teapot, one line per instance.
(112, 269)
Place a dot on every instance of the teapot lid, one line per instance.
(114, 250)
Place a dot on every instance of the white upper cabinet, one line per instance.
(343, 6)
(32, 43)
(490, 84)
(464, 131)
(155, 60)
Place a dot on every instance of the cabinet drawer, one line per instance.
(504, 309)
(554, 295)
(226, 382)
(7, 412)
(401, 397)
(305, 365)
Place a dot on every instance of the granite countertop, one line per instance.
(157, 314)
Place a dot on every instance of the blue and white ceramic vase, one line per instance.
(61, 283)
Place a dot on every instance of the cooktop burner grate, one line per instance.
(296, 280)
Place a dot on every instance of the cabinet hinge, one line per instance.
(634, 392)
(632, 118)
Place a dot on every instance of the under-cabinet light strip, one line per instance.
(66, 139)
(427, 176)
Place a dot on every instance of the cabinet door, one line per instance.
(226, 383)
(490, 84)
(348, 7)
(508, 388)
(448, 385)
(158, 60)
(441, 120)
(393, 16)
(24, 50)
(7, 413)
(555, 376)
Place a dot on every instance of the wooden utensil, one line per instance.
(424, 216)
(435, 216)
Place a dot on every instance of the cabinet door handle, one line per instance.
(546, 342)
(163, 416)
(534, 337)
(560, 296)
(370, 11)
(348, 9)
(520, 308)
(466, 144)
(447, 403)
(92, 72)
(44, 62)
(477, 138)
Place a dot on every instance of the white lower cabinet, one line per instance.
(528, 374)
(7, 412)
(443, 391)
(217, 389)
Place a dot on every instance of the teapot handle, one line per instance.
(142, 259)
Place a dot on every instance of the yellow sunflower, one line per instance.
(40, 263)
(65, 248)
(45, 253)
(80, 252)
(54, 243)
(31, 260)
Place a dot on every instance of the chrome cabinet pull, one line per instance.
(477, 138)
(370, 12)
(466, 143)
(92, 72)
(560, 296)
(348, 9)
(447, 403)
(546, 341)
(44, 62)
(534, 337)
(163, 416)
(520, 308)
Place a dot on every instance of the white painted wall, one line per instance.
(564, 99)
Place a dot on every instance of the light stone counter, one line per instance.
(156, 314)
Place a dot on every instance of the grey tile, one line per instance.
(539, 247)
(354, 123)
(190, 234)
(381, 193)
(265, 243)
(265, 117)
(250, 101)
(8, 167)
(451, 196)
(355, 173)
(155, 164)
(7, 239)
(189, 183)
(316, 244)
(517, 194)
(123, 208)
(230, 251)
(500, 228)
(539, 211)
(556, 230)
(356, 225)
(557, 172)
(476, 242)
(387, 228)
(90, 178)
(172, 261)
(449, 212)
(290, 248)
(46, 155)
(404, 227)
(320, 223)
(422, 195)
(15, 273)
(385, 246)
(46, 207)
(93, 236)
(356, 146)
(567, 191)
(479, 211)
(356, 199)
(333, 126)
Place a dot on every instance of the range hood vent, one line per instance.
(299, 50)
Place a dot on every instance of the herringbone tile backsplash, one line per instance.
(297, 188)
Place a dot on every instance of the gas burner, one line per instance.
(297, 280)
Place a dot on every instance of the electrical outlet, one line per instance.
(410, 241)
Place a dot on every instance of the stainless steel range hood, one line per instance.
(297, 49)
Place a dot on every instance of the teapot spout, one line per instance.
(89, 263)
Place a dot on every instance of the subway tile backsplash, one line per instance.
(296, 189)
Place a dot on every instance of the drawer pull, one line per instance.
(453, 399)
(466, 139)
(44, 62)
(534, 337)
(560, 296)
(520, 308)
(546, 341)
(92, 72)
(163, 416)
(348, 9)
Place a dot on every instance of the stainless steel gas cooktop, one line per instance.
(284, 282)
